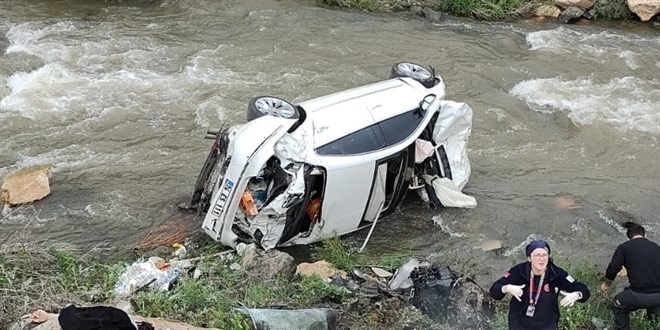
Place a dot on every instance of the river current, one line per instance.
(564, 143)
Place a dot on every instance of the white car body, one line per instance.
(348, 160)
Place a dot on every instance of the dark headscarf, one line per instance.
(533, 245)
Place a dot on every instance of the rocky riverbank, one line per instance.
(566, 11)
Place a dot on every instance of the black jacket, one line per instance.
(546, 315)
(641, 258)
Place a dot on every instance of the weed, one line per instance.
(335, 252)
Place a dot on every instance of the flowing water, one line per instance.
(117, 98)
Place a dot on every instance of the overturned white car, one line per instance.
(296, 174)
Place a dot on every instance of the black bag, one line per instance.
(94, 318)
(432, 291)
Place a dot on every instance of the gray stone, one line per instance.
(432, 15)
(570, 15)
(417, 10)
(268, 264)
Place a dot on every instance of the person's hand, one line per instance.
(515, 290)
(605, 287)
(570, 298)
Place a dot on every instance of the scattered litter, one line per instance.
(197, 273)
(381, 272)
(180, 251)
(300, 319)
(401, 279)
(235, 266)
(155, 273)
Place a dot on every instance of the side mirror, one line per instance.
(429, 102)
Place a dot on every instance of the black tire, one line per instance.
(209, 173)
(412, 70)
(271, 106)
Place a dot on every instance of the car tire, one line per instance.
(412, 70)
(271, 106)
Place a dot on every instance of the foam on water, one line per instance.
(599, 45)
(627, 103)
(438, 221)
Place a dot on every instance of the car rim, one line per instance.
(414, 71)
(274, 107)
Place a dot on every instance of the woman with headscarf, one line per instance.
(535, 287)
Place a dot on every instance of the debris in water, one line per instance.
(567, 203)
(491, 244)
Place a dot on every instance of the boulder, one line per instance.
(547, 11)
(321, 268)
(570, 15)
(26, 185)
(582, 4)
(645, 9)
(432, 15)
(268, 264)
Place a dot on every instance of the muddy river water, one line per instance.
(117, 98)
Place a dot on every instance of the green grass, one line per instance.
(480, 9)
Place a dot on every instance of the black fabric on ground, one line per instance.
(94, 318)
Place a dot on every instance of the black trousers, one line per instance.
(629, 300)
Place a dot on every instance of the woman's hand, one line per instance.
(570, 298)
(515, 290)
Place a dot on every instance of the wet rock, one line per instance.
(417, 10)
(589, 14)
(547, 11)
(570, 15)
(268, 264)
(582, 4)
(645, 9)
(26, 185)
(432, 15)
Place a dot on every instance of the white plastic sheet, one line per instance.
(452, 130)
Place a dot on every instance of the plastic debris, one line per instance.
(300, 319)
(380, 272)
(154, 273)
(401, 279)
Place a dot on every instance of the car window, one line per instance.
(364, 140)
(398, 128)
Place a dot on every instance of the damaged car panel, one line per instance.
(297, 174)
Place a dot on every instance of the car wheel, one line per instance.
(271, 106)
(415, 71)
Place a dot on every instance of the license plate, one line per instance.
(222, 199)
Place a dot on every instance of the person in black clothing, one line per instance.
(536, 286)
(641, 258)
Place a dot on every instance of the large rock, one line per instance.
(582, 4)
(26, 185)
(268, 264)
(547, 11)
(321, 268)
(570, 15)
(645, 9)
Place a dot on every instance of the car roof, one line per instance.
(339, 114)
